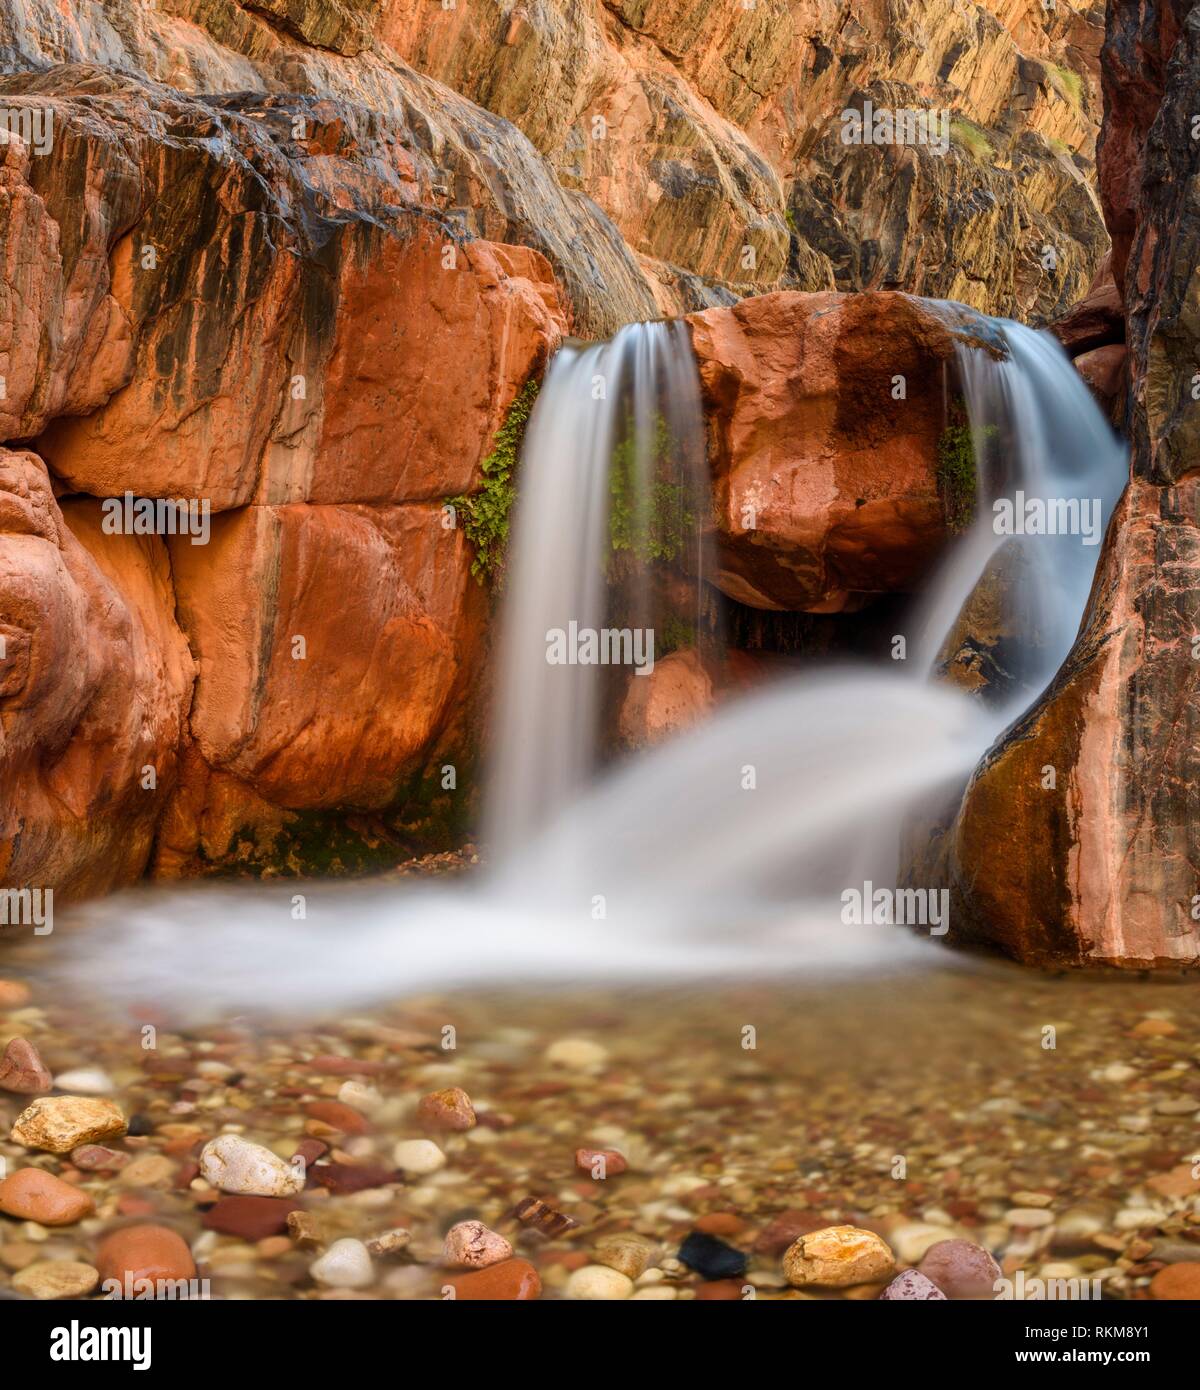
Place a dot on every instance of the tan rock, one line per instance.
(47, 1279)
(471, 1245)
(147, 1170)
(838, 1256)
(628, 1254)
(59, 1123)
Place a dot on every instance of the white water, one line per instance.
(548, 717)
(671, 867)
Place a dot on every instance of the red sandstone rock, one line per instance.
(449, 1109)
(1098, 320)
(1177, 1281)
(601, 1163)
(30, 1194)
(1103, 369)
(337, 1116)
(250, 1218)
(323, 386)
(22, 1069)
(675, 695)
(93, 691)
(509, 1281)
(825, 482)
(144, 1252)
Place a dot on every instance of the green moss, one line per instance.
(973, 139)
(956, 471)
(1069, 83)
(657, 529)
(484, 515)
(674, 634)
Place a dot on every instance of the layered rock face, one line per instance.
(216, 323)
(1098, 863)
(712, 135)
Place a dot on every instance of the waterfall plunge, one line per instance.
(697, 876)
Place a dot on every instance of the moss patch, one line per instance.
(484, 515)
(973, 139)
(957, 476)
(659, 529)
(1069, 84)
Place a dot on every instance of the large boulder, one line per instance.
(824, 415)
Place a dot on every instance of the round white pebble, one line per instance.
(86, 1081)
(418, 1157)
(594, 1282)
(345, 1265)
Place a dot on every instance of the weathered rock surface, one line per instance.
(712, 135)
(94, 684)
(320, 377)
(824, 415)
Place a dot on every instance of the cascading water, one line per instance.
(616, 435)
(723, 852)
(1039, 440)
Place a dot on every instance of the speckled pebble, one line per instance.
(234, 1164)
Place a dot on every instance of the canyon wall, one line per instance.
(1079, 838)
(294, 260)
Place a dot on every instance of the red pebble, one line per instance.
(719, 1291)
(337, 1116)
(600, 1163)
(508, 1282)
(251, 1218)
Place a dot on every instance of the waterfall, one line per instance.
(728, 850)
(1038, 434)
(623, 400)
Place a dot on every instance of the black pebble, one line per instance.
(140, 1125)
(712, 1258)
